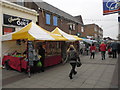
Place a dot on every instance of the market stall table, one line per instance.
(17, 63)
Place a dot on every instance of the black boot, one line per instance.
(70, 77)
(75, 73)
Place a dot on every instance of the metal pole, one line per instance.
(119, 27)
(119, 54)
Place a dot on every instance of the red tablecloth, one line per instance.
(16, 63)
(52, 60)
(19, 63)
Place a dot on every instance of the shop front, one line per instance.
(13, 17)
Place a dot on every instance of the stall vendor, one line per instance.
(41, 52)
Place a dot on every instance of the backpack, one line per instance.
(72, 55)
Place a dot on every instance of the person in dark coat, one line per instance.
(114, 46)
(41, 52)
(118, 48)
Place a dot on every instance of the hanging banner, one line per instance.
(111, 6)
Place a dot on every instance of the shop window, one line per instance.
(7, 30)
(73, 26)
(70, 27)
(55, 21)
(47, 18)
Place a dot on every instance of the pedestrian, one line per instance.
(103, 50)
(86, 48)
(92, 50)
(73, 58)
(109, 50)
(41, 52)
(118, 48)
(114, 46)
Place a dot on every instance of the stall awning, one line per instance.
(89, 41)
(65, 35)
(33, 32)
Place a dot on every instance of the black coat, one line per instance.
(41, 52)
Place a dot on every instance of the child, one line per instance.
(110, 52)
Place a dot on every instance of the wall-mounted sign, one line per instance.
(14, 20)
(111, 6)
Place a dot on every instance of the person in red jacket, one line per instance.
(92, 51)
(103, 49)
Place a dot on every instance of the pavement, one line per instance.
(94, 73)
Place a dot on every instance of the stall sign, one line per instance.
(111, 6)
(14, 20)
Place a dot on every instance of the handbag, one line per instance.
(79, 64)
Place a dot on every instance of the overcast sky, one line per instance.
(91, 12)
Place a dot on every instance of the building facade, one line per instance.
(51, 17)
(93, 31)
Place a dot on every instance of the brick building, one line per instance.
(93, 31)
(51, 17)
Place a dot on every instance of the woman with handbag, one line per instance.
(73, 58)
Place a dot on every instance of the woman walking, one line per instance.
(73, 57)
(92, 51)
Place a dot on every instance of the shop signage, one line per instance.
(111, 6)
(14, 20)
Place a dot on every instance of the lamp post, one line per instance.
(119, 26)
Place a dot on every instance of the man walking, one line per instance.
(114, 47)
(103, 50)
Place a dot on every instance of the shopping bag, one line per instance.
(39, 64)
(79, 64)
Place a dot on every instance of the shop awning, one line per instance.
(65, 35)
(33, 32)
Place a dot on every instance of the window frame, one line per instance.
(46, 20)
(55, 20)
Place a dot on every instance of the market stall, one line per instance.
(29, 33)
(65, 35)
(70, 39)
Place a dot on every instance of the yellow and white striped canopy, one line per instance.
(65, 35)
(33, 32)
